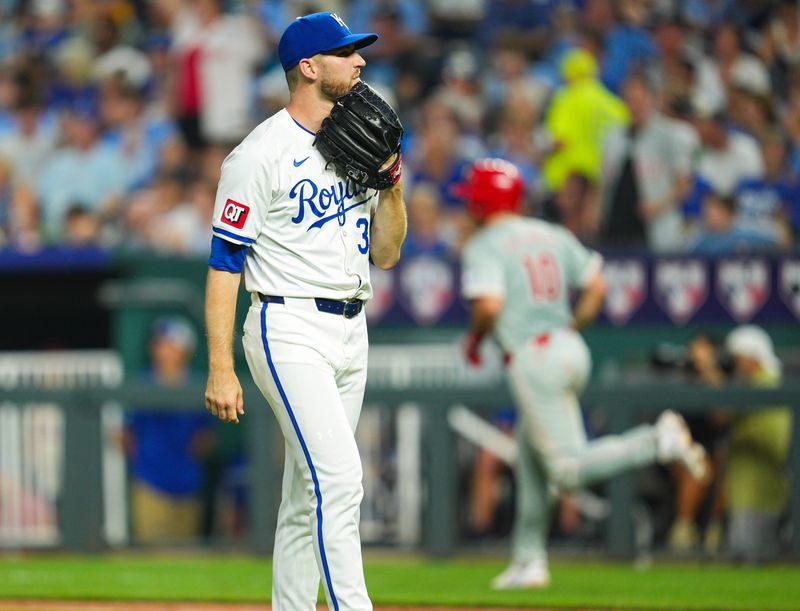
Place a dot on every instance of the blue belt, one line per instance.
(348, 309)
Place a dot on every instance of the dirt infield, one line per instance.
(56, 605)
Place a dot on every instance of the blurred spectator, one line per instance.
(697, 78)
(424, 224)
(707, 14)
(756, 488)
(677, 72)
(73, 83)
(81, 227)
(750, 111)
(598, 16)
(83, 170)
(513, 140)
(211, 163)
(439, 150)
(272, 93)
(509, 77)
(521, 20)
(393, 43)
(629, 46)
(8, 30)
(166, 448)
(736, 67)
(454, 19)
(576, 122)
(215, 55)
(6, 203)
(720, 234)
(115, 59)
(461, 89)
(705, 365)
(790, 124)
(646, 175)
(564, 35)
(185, 227)
(44, 27)
(766, 204)
(19, 224)
(158, 89)
(276, 14)
(137, 137)
(169, 217)
(412, 14)
(486, 479)
(727, 157)
(780, 43)
(31, 139)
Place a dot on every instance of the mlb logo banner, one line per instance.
(627, 281)
(426, 288)
(790, 285)
(743, 287)
(681, 288)
(382, 282)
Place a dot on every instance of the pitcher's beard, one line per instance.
(333, 90)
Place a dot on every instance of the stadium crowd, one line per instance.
(655, 124)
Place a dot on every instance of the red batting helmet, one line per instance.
(489, 186)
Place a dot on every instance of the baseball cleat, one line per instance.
(674, 443)
(683, 536)
(519, 576)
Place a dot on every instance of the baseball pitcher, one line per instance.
(304, 203)
(517, 272)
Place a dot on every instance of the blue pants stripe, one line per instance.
(305, 451)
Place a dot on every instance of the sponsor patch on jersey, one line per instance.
(235, 214)
(743, 287)
(681, 287)
(627, 283)
(790, 285)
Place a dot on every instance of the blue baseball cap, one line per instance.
(175, 330)
(316, 33)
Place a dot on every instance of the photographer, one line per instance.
(703, 360)
(756, 487)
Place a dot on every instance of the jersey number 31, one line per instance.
(363, 224)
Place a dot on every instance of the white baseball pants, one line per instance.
(546, 377)
(311, 366)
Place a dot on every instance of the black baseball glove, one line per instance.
(361, 138)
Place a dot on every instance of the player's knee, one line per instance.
(342, 485)
(563, 471)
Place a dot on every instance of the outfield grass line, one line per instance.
(413, 583)
(84, 605)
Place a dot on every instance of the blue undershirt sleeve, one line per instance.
(227, 256)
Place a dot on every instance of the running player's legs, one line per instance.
(298, 381)
(533, 506)
(546, 381)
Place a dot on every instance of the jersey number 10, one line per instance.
(543, 276)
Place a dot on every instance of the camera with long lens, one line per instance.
(676, 358)
(667, 356)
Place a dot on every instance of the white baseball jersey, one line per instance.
(531, 264)
(308, 229)
(308, 232)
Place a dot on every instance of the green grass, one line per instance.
(406, 581)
